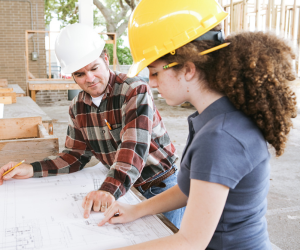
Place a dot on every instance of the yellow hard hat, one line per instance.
(158, 27)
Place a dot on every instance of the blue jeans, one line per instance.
(174, 216)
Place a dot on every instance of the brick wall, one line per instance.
(15, 18)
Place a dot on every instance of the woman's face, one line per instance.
(169, 83)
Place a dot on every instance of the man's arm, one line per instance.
(137, 122)
(75, 156)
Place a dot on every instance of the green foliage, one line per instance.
(65, 11)
(123, 53)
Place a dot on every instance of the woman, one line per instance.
(240, 90)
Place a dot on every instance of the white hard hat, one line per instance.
(76, 46)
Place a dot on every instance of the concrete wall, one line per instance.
(15, 18)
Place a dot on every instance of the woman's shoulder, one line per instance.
(234, 131)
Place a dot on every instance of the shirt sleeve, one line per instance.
(75, 156)
(133, 151)
(220, 158)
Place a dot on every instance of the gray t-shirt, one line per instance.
(226, 147)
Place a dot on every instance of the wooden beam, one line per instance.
(6, 100)
(294, 20)
(32, 94)
(34, 149)
(6, 90)
(282, 16)
(226, 25)
(14, 128)
(3, 83)
(43, 132)
(274, 17)
(12, 95)
(26, 54)
(268, 16)
(49, 56)
(244, 17)
(231, 16)
(53, 86)
(115, 60)
(257, 16)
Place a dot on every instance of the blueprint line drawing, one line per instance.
(47, 214)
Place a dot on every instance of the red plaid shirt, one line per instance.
(136, 149)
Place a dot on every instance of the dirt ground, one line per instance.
(283, 213)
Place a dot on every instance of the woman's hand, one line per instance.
(120, 213)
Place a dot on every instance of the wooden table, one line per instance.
(26, 107)
(19, 91)
(36, 85)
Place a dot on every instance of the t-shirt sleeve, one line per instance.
(220, 158)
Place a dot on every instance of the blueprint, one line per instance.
(46, 213)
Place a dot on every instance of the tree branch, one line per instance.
(105, 12)
(122, 28)
(130, 4)
(121, 4)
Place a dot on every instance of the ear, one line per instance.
(189, 71)
(106, 60)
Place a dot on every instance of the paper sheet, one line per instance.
(46, 213)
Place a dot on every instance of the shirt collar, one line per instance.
(220, 106)
(87, 99)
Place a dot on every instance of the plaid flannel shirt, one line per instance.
(136, 149)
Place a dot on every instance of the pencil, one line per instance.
(107, 124)
(13, 167)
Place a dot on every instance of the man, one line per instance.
(114, 119)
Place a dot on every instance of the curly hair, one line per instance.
(254, 73)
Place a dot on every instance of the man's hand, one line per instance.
(98, 200)
(23, 171)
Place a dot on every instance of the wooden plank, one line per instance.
(6, 90)
(14, 128)
(53, 86)
(268, 15)
(32, 94)
(274, 17)
(258, 13)
(26, 107)
(3, 83)
(42, 132)
(245, 19)
(34, 149)
(294, 20)
(231, 16)
(6, 99)
(282, 15)
(13, 96)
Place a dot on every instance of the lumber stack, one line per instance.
(7, 95)
(25, 138)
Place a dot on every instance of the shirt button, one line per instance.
(103, 131)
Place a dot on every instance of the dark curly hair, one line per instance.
(254, 73)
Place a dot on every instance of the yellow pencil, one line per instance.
(13, 167)
(108, 125)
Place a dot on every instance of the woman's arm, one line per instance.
(168, 200)
(205, 205)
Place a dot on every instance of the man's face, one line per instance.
(93, 78)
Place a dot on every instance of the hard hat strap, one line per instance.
(212, 35)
